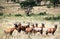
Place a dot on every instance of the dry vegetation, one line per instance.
(7, 20)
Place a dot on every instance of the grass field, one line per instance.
(8, 20)
(12, 13)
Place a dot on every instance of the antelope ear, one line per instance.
(36, 23)
(55, 25)
(15, 24)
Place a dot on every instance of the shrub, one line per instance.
(52, 18)
(18, 15)
(47, 18)
(49, 5)
(56, 18)
(1, 14)
(42, 13)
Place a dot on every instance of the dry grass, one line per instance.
(6, 22)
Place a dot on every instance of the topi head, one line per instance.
(43, 25)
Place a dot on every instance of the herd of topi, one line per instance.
(33, 29)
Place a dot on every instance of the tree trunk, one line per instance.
(28, 11)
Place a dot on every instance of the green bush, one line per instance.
(52, 18)
(18, 15)
(49, 5)
(48, 18)
(56, 18)
(1, 14)
(25, 4)
(42, 13)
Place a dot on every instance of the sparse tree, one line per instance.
(27, 6)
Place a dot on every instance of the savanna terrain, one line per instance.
(40, 14)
